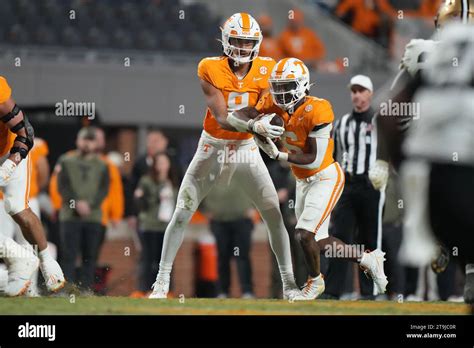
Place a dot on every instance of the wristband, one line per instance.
(282, 156)
(250, 124)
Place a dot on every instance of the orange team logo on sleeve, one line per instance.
(238, 93)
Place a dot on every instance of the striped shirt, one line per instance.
(355, 140)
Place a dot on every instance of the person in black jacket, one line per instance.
(156, 141)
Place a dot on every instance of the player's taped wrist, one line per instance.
(250, 124)
(282, 156)
(8, 167)
(239, 124)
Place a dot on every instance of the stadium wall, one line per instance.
(121, 255)
(162, 94)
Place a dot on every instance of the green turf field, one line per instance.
(124, 305)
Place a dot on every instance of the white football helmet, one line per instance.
(289, 82)
(240, 29)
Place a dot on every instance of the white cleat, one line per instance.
(160, 289)
(20, 271)
(32, 290)
(291, 294)
(312, 289)
(372, 264)
(290, 290)
(53, 275)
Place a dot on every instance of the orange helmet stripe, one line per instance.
(280, 67)
(245, 21)
(282, 63)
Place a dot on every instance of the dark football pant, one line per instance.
(451, 191)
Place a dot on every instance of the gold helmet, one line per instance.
(460, 10)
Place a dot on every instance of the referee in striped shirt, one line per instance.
(358, 214)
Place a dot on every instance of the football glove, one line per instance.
(263, 127)
(6, 171)
(271, 149)
(378, 174)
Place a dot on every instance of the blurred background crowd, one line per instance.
(136, 61)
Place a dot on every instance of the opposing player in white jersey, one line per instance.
(442, 141)
(233, 81)
(436, 150)
(391, 132)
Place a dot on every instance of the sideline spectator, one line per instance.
(371, 18)
(270, 46)
(83, 183)
(301, 42)
(155, 198)
(156, 141)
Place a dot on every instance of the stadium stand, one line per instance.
(142, 25)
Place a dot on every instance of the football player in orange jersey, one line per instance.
(227, 150)
(319, 178)
(16, 141)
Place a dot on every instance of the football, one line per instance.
(277, 121)
(250, 111)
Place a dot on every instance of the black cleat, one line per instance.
(439, 264)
